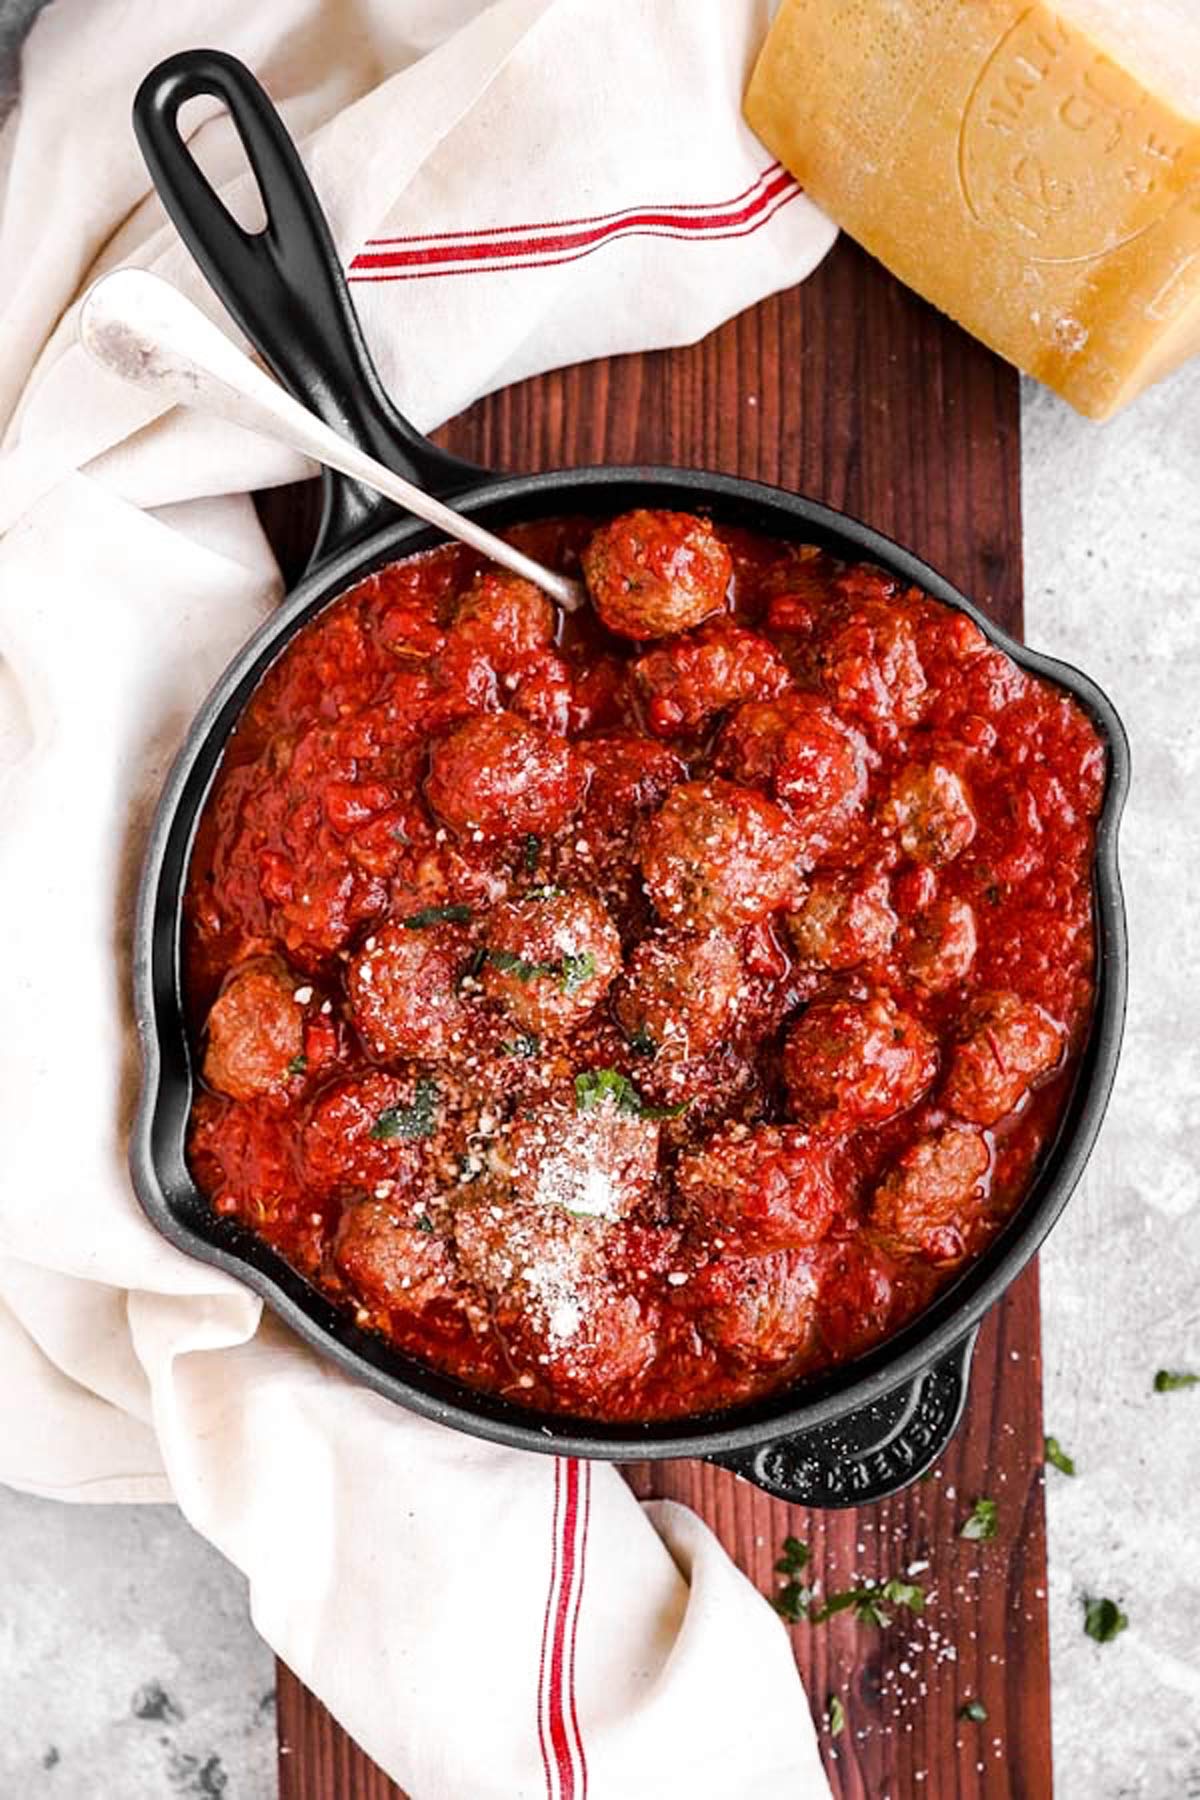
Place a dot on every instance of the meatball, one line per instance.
(760, 1311)
(686, 682)
(719, 855)
(930, 812)
(505, 616)
(553, 1299)
(1010, 1043)
(496, 778)
(404, 991)
(651, 574)
(389, 1260)
(856, 1298)
(679, 994)
(872, 672)
(369, 1130)
(596, 1163)
(922, 1205)
(255, 1031)
(550, 959)
(816, 766)
(943, 945)
(845, 920)
(857, 1062)
(630, 778)
(767, 1188)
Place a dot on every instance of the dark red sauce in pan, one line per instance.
(632, 1013)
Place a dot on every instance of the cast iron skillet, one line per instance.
(859, 1432)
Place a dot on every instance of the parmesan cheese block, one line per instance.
(1032, 170)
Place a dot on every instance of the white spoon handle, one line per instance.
(140, 327)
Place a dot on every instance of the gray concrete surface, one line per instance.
(1112, 545)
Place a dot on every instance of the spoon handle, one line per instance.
(140, 327)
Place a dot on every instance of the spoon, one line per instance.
(140, 327)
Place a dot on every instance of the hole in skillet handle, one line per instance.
(284, 285)
(869, 1454)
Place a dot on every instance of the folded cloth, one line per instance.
(512, 187)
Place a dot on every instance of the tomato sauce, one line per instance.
(629, 1014)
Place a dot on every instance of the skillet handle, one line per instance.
(284, 285)
(873, 1453)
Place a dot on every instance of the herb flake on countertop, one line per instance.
(1103, 1619)
(1167, 1381)
(416, 1120)
(437, 915)
(1056, 1455)
(975, 1711)
(982, 1525)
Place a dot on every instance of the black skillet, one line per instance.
(856, 1433)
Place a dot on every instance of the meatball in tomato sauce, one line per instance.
(651, 574)
(857, 1062)
(718, 855)
(404, 990)
(550, 958)
(497, 778)
(1009, 1044)
(687, 682)
(255, 1031)
(764, 1188)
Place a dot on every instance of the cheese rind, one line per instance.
(998, 158)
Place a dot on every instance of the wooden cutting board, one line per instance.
(851, 390)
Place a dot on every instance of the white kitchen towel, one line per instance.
(512, 187)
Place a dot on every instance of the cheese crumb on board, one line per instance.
(1032, 170)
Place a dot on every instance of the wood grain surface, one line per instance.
(851, 390)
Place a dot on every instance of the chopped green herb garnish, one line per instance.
(641, 1043)
(1168, 1380)
(509, 963)
(1057, 1455)
(531, 854)
(982, 1524)
(425, 1223)
(571, 970)
(836, 1714)
(598, 1085)
(524, 1044)
(298, 1065)
(577, 967)
(872, 1602)
(417, 1120)
(547, 891)
(792, 1602)
(793, 1558)
(437, 915)
(974, 1710)
(1103, 1620)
